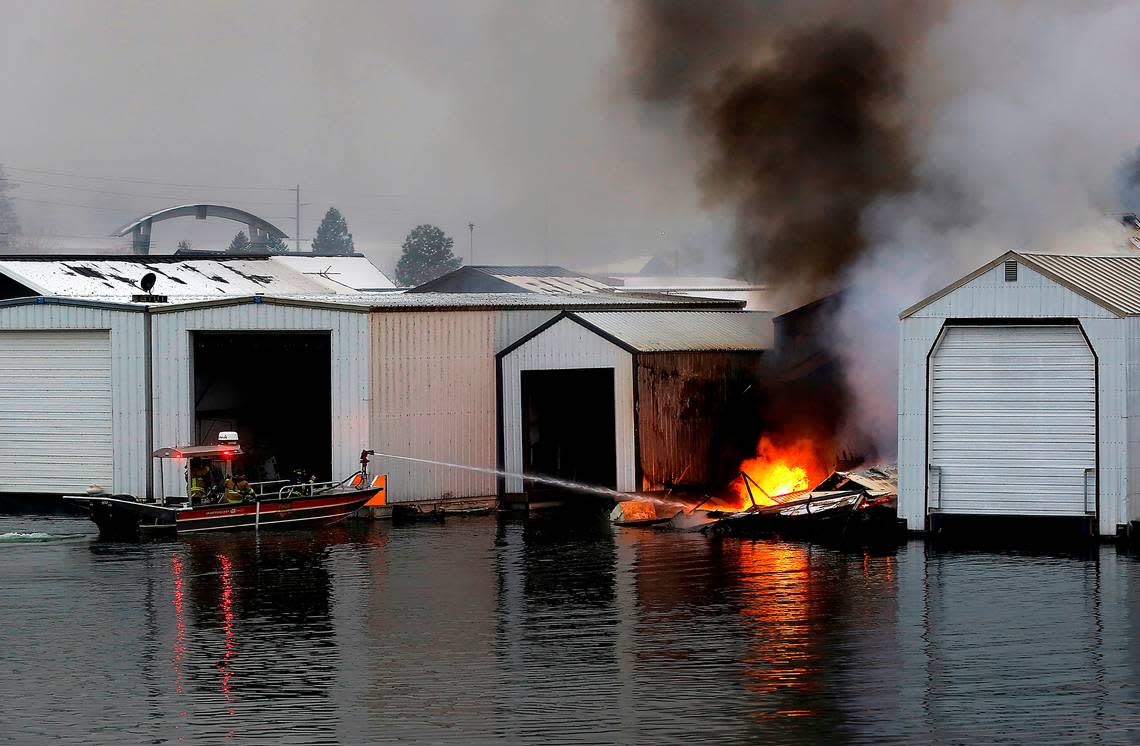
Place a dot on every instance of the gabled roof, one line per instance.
(461, 302)
(670, 331)
(1113, 281)
(685, 331)
(546, 280)
(1109, 280)
(117, 278)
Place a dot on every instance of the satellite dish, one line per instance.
(147, 281)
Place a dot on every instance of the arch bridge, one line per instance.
(260, 230)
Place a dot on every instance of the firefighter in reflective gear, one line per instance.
(199, 476)
(238, 489)
(233, 495)
(243, 487)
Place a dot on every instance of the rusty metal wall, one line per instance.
(689, 413)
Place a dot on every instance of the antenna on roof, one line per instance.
(147, 283)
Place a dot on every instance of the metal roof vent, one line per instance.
(1011, 270)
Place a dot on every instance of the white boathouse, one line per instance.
(1016, 386)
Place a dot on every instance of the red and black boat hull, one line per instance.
(286, 513)
(121, 516)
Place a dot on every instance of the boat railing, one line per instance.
(266, 488)
(304, 489)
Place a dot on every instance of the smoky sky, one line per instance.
(799, 111)
(890, 147)
(399, 113)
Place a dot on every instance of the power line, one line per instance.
(68, 204)
(131, 194)
(222, 187)
(146, 181)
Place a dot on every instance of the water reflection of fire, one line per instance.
(180, 624)
(781, 605)
(227, 609)
(779, 469)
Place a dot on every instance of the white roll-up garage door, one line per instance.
(1013, 422)
(55, 411)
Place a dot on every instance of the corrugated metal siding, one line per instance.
(1108, 338)
(687, 410)
(1012, 421)
(173, 380)
(917, 337)
(1032, 296)
(128, 402)
(1131, 510)
(55, 410)
(434, 396)
(681, 331)
(565, 346)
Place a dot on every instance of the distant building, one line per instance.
(512, 279)
(648, 266)
(755, 297)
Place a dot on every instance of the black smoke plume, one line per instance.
(799, 110)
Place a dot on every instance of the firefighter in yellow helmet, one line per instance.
(243, 487)
(199, 475)
(238, 489)
(233, 495)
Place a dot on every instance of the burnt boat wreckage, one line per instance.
(859, 505)
(217, 499)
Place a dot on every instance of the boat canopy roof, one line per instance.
(197, 451)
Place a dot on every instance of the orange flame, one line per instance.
(780, 470)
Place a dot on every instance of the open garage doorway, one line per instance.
(274, 390)
(568, 425)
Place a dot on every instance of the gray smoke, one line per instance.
(985, 127)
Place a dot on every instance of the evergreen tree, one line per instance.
(10, 231)
(332, 235)
(240, 244)
(276, 245)
(427, 255)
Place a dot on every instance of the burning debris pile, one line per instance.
(844, 505)
(776, 472)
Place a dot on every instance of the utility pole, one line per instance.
(471, 241)
(297, 222)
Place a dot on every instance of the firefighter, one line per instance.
(233, 494)
(243, 487)
(199, 481)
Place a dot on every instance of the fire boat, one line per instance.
(215, 501)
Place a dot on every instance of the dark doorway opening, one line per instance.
(568, 425)
(274, 390)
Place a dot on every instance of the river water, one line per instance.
(556, 630)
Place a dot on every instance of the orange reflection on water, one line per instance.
(227, 608)
(179, 623)
(777, 595)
